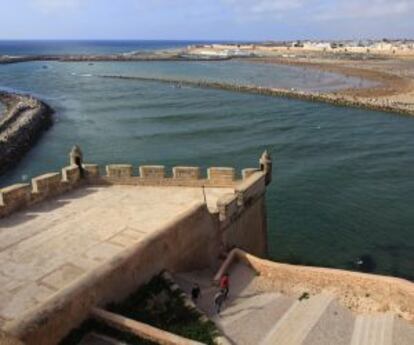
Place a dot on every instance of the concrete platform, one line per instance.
(49, 246)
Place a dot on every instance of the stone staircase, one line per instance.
(254, 314)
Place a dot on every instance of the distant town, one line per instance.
(384, 46)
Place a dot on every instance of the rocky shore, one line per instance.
(21, 125)
(331, 98)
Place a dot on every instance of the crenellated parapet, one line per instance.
(252, 183)
(159, 175)
(247, 191)
(21, 195)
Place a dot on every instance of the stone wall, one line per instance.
(19, 196)
(22, 195)
(193, 240)
(22, 124)
(360, 292)
(243, 215)
(181, 250)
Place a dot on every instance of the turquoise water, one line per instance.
(343, 183)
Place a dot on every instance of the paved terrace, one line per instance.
(47, 247)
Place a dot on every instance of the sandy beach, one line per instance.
(393, 74)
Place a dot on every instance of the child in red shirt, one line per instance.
(224, 284)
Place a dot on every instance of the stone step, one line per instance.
(403, 332)
(234, 310)
(334, 327)
(247, 322)
(373, 330)
(296, 324)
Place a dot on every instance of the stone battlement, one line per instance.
(49, 185)
(100, 234)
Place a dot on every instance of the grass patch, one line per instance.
(305, 295)
(156, 305)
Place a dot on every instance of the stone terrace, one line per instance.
(49, 246)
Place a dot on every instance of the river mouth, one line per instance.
(342, 184)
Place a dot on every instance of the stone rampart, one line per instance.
(22, 124)
(49, 185)
(192, 240)
(181, 250)
(243, 215)
(360, 292)
(22, 195)
(158, 175)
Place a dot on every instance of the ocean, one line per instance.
(343, 182)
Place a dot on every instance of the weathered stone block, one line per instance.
(71, 174)
(187, 173)
(16, 195)
(46, 183)
(221, 174)
(227, 206)
(246, 173)
(119, 170)
(251, 188)
(152, 171)
(92, 170)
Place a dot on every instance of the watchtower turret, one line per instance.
(266, 166)
(76, 156)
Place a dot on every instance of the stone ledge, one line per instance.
(360, 292)
(140, 329)
(187, 173)
(46, 182)
(221, 173)
(119, 170)
(152, 171)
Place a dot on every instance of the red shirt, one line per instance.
(224, 282)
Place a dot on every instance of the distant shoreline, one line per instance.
(394, 75)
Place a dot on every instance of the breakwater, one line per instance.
(21, 125)
(163, 56)
(331, 98)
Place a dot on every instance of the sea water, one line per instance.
(342, 184)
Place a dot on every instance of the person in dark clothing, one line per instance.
(195, 292)
(219, 298)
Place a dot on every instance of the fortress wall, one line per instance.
(119, 170)
(152, 171)
(157, 175)
(221, 174)
(22, 195)
(243, 216)
(361, 292)
(182, 250)
(92, 170)
(246, 173)
(19, 196)
(186, 173)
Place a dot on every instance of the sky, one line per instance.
(206, 19)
